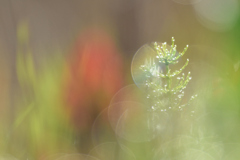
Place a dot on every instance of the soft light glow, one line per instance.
(217, 15)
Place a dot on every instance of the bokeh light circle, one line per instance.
(102, 131)
(232, 151)
(7, 157)
(112, 151)
(132, 118)
(187, 2)
(53, 156)
(76, 156)
(147, 56)
(217, 15)
(185, 147)
(130, 93)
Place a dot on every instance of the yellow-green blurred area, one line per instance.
(66, 89)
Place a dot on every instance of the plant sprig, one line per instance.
(166, 95)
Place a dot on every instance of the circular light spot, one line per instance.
(186, 2)
(217, 15)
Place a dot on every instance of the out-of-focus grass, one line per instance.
(41, 124)
(59, 99)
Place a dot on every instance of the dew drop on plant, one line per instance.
(153, 107)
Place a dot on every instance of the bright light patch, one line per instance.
(217, 15)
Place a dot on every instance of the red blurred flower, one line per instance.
(94, 76)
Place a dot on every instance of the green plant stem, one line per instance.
(167, 77)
